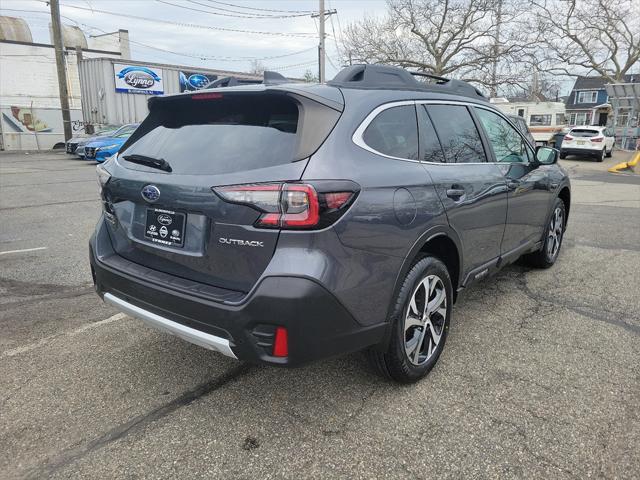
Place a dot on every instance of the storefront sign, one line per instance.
(138, 79)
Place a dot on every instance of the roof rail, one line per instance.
(269, 78)
(396, 78)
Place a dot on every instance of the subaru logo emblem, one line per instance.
(151, 193)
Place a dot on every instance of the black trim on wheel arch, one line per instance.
(394, 362)
(409, 260)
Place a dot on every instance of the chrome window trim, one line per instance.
(359, 141)
(357, 135)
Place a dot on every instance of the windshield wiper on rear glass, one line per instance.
(159, 163)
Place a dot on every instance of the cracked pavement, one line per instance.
(540, 377)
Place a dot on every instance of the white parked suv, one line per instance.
(588, 141)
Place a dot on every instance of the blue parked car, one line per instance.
(102, 148)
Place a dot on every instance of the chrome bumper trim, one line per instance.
(189, 334)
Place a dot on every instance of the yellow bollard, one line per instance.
(624, 165)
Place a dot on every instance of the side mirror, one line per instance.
(547, 155)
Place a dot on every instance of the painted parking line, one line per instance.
(23, 250)
(33, 346)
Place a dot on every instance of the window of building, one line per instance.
(622, 119)
(561, 119)
(521, 112)
(580, 118)
(538, 120)
(458, 133)
(394, 132)
(588, 97)
(508, 145)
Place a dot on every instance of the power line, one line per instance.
(306, 12)
(183, 54)
(251, 14)
(260, 17)
(295, 65)
(189, 25)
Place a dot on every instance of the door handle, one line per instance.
(513, 184)
(455, 193)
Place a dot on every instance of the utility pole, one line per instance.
(322, 14)
(496, 52)
(56, 28)
(321, 50)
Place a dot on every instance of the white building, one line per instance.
(30, 115)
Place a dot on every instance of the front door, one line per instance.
(528, 183)
(602, 119)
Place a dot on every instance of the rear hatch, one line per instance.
(160, 203)
(587, 138)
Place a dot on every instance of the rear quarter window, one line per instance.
(394, 132)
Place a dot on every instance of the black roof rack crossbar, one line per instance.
(396, 78)
(428, 75)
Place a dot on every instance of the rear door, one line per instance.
(170, 220)
(472, 190)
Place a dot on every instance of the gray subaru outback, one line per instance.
(284, 223)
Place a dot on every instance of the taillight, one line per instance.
(597, 139)
(568, 137)
(292, 205)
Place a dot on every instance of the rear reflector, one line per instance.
(281, 343)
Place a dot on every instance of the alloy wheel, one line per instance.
(425, 319)
(555, 233)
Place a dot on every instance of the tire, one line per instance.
(548, 253)
(563, 155)
(410, 332)
(603, 154)
(610, 152)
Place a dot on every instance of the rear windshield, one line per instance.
(583, 132)
(216, 133)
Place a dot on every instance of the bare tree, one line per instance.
(257, 67)
(455, 38)
(588, 36)
(310, 77)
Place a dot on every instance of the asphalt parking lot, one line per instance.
(540, 377)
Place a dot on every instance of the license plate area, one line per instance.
(581, 142)
(165, 227)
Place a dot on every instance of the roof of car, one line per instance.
(384, 77)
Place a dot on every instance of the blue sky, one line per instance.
(156, 25)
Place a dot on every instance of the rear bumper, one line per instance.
(192, 335)
(318, 326)
(585, 152)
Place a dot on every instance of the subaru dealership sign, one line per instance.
(138, 79)
(191, 81)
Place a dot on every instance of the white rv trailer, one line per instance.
(544, 119)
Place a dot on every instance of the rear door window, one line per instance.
(394, 132)
(458, 134)
(219, 134)
(430, 148)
